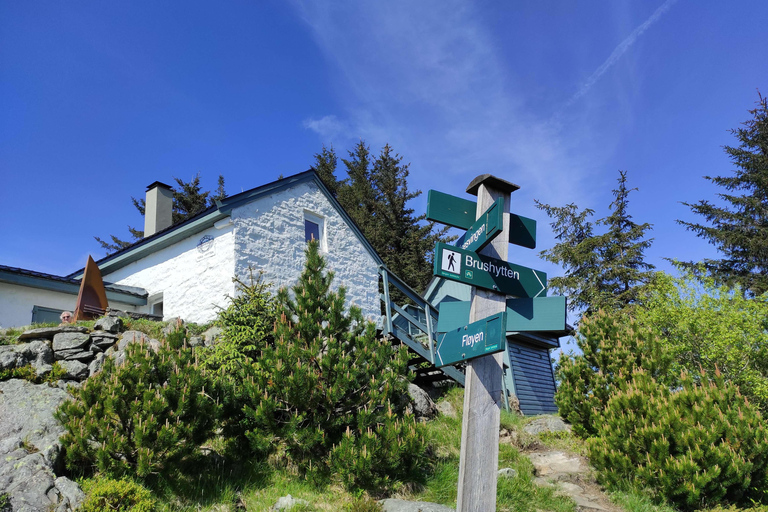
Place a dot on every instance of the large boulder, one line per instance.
(30, 448)
(109, 323)
(72, 345)
(36, 353)
(422, 405)
(50, 332)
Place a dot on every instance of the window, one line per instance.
(314, 229)
(311, 230)
(155, 302)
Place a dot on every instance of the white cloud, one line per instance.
(620, 50)
(327, 127)
(428, 78)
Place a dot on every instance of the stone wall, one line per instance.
(269, 235)
(193, 278)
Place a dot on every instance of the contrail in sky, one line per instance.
(620, 50)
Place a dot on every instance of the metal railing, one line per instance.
(413, 324)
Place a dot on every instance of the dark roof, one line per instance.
(221, 210)
(32, 278)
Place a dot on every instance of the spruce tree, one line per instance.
(605, 271)
(188, 201)
(376, 195)
(739, 228)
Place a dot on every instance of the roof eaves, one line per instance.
(50, 282)
(156, 242)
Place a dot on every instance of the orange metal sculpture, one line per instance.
(92, 298)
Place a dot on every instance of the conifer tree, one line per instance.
(376, 195)
(327, 378)
(605, 271)
(739, 228)
(188, 201)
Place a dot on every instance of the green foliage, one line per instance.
(327, 376)
(29, 373)
(606, 271)
(117, 495)
(739, 229)
(375, 194)
(140, 417)
(612, 345)
(363, 505)
(5, 502)
(703, 325)
(188, 201)
(701, 444)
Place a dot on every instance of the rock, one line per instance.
(554, 464)
(96, 364)
(547, 424)
(397, 505)
(507, 473)
(423, 406)
(131, 337)
(102, 340)
(172, 325)
(50, 332)
(514, 405)
(36, 352)
(75, 370)
(288, 502)
(212, 336)
(584, 502)
(71, 491)
(76, 355)
(568, 488)
(196, 341)
(155, 345)
(111, 324)
(446, 409)
(68, 343)
(30, 444)
(43, 369)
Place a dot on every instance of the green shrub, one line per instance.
(325, 383)
(140, 417)
(29, 373)
(702, 444)
(612, 346)
(118, 496)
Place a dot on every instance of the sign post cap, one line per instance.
(493, 182)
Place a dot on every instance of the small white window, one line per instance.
(155, 302)
(314, 229)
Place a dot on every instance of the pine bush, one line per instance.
(140, 417)
(702, 444)
(323, 389)
(612, 346)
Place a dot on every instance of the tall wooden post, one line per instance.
(482, 389)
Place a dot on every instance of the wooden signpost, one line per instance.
(479, 259)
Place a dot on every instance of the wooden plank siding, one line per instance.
(534, 379)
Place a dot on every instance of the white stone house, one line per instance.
(187, 270)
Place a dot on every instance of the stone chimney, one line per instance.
(158, 211)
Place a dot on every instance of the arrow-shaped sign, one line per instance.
(486, 336)
(461, 213)
(490, 273)
(487, 227)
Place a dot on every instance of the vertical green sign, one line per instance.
(485, 229)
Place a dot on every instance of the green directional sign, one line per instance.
(489, 273)
(542, 314)
(480, 338)
(461, 213)
(485, 229)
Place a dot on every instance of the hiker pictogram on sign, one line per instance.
(451, 261)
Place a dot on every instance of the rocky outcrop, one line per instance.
(30, 449)
(29, 434)
(79, 352)
(397, 505)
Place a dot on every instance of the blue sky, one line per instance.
(100, 99)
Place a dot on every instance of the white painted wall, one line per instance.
(194, 284)
(269, 236)
(16, 303)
